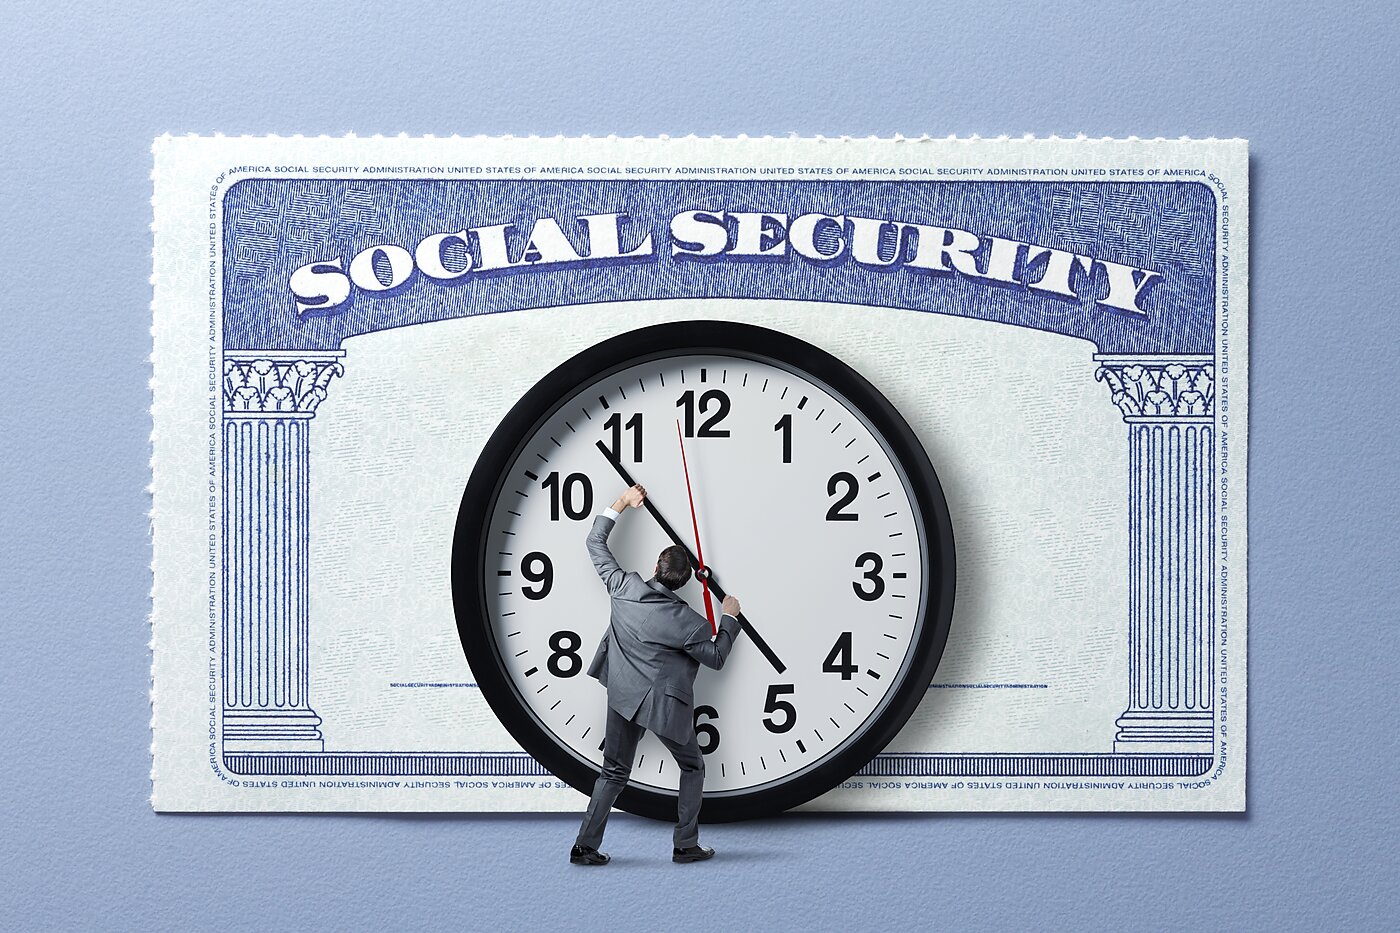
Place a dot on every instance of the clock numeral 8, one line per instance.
(537, 568)
(706, 734)
(564, 646)
(877, 588)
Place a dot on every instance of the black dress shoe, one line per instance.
(692, 854)
(587, 855)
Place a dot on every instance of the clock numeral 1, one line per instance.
(687, 403)
(784, 425)
(835, 513)
(537, 568)
(706, 733)
(775, 705)
(616, 427)
(564, 648)
(563, 495)
(839, 660)
(877, 587)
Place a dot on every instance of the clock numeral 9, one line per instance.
(839, 660)
(564, 647)
(835, 513)
(706, 734)
(563, 494)
(708, 429)
(877, 588)
(615, 426)
(537, 568)
(775, 705)
(784, 426)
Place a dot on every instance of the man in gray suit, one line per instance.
(648, 660)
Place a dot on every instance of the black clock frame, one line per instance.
(469, 589)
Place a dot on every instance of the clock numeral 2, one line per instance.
(563, 495)
(835, 513)
(707, 429)
(616, 427)
(706, 733)
(537, 568)
(775, 705)
(839, 660)
(877, 588)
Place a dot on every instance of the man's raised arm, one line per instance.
(607, 566)
(712, 653)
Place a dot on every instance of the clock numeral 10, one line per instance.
(721, 405)
(615, 426)
(706, 733)
(775, 705)
(839, 660)
(562, 495)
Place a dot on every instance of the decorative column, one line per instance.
(1169, 405)
(270, 397)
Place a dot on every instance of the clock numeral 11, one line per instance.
(615, 427)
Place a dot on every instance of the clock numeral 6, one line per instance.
(708, 429)
(877, 587)
(839, 660)
(775, 705)
(835, 513)
(706, 733)
(537, 568)
(564, 648)
(576, 486)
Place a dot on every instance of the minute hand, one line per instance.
(744, 623)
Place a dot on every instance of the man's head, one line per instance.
(673, 568)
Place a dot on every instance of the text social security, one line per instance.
(719, 235)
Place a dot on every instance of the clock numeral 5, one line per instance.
(775, 705)
(574, 495)
(537, 568)
(877, 588)
(835, 513)
(706, 733)
(615, 427)
(708, 429)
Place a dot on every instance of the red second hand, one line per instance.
(695, 526)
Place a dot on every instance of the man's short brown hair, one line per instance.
(673, 567)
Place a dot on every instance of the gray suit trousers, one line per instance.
(619, 750)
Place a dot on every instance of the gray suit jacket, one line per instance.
(654, 646)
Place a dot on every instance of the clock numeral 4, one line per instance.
(706, 733)
(564, 660)
(720, 402)
(775, 705)
(615, 427)
(573, 496)
(877, 583)
(537, 568)
(836, 513)
(839, 660)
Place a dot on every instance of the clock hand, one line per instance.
(702, 571)
(708, 576)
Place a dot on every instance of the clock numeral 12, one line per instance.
(707, 429)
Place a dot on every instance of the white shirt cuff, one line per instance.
(610, 512)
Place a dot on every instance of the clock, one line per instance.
(815, 505)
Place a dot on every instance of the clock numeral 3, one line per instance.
(574, 495)
(564, 647)
(775, 705)
(706, 733)
(537, 568)
(615, 427)
(839, 660)
(707, 429)
(835, 513)
(877, 588)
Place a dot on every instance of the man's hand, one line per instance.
(730, 607)
(632, 497)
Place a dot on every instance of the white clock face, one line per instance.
(803, 515)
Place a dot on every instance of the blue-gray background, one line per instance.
(1313, 86)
